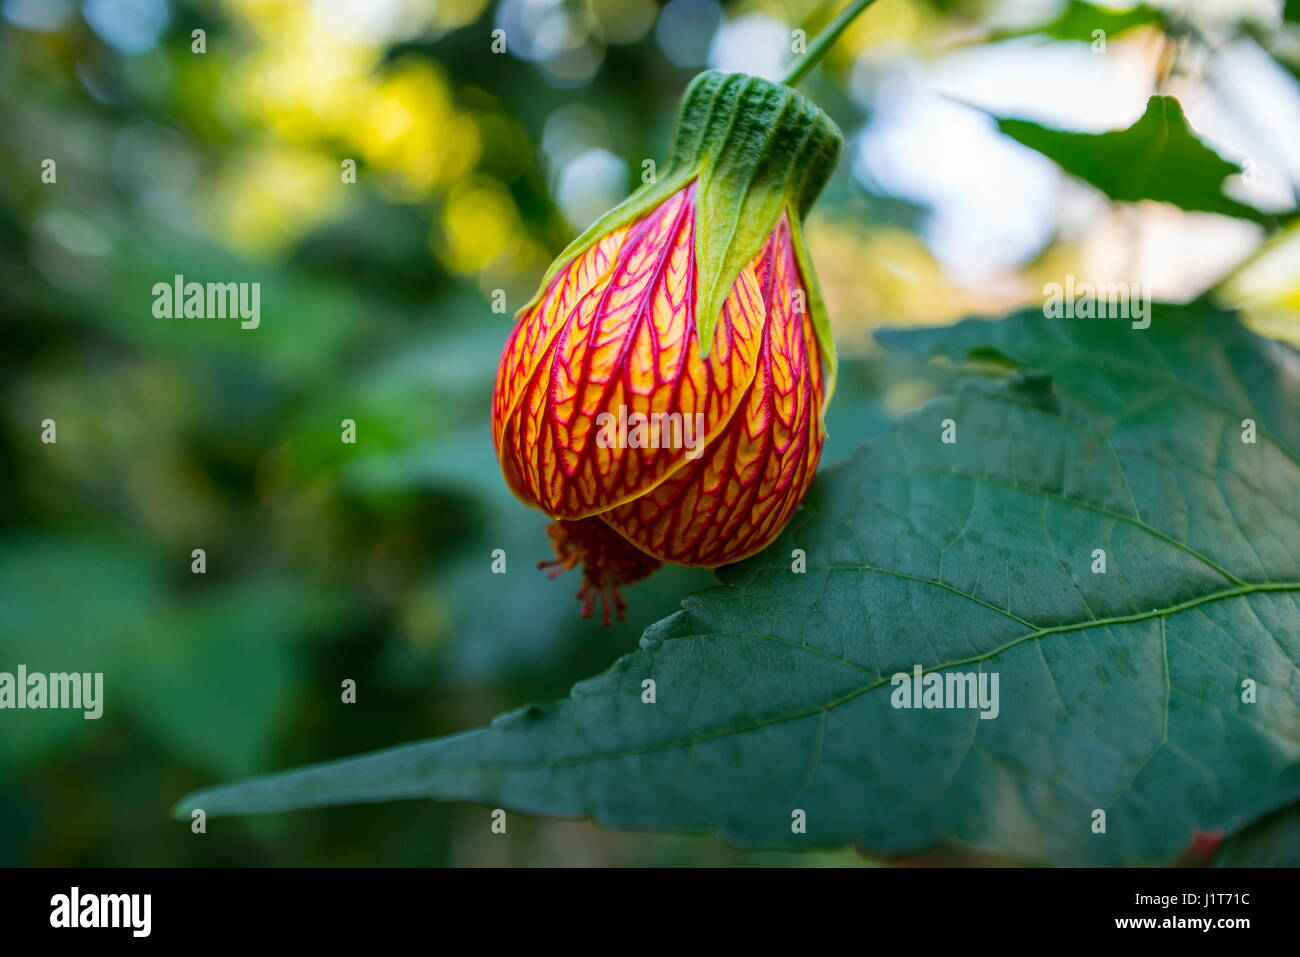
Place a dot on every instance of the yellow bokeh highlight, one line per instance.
(479, 225)
(321, 94)
(453, 14)
(409, 127)
(892, 25)
(265, 197)
(1267, 287)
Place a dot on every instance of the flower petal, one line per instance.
(532, 335)
(628, 341)
(738, 496)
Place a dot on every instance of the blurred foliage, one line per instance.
(328, 561)
(1081, 21)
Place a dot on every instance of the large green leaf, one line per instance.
(1159, 158)
(1119, 691)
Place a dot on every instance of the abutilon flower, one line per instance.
(662, 395)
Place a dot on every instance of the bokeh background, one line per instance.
(371, 561)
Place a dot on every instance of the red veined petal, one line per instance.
(737, 497)
(627, 346)
(532, 335)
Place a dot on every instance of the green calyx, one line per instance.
(749, 139)
(756, 149)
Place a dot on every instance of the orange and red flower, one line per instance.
(726, 430)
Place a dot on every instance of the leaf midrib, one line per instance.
(1248, 589)
(881, 681)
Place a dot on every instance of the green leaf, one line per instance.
(1158, 158)
(1119, 691)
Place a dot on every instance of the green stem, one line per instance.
(808, 59)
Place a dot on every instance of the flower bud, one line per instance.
(662, 395)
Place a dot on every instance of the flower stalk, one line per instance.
(823, 41)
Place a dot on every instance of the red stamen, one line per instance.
(608, 562)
